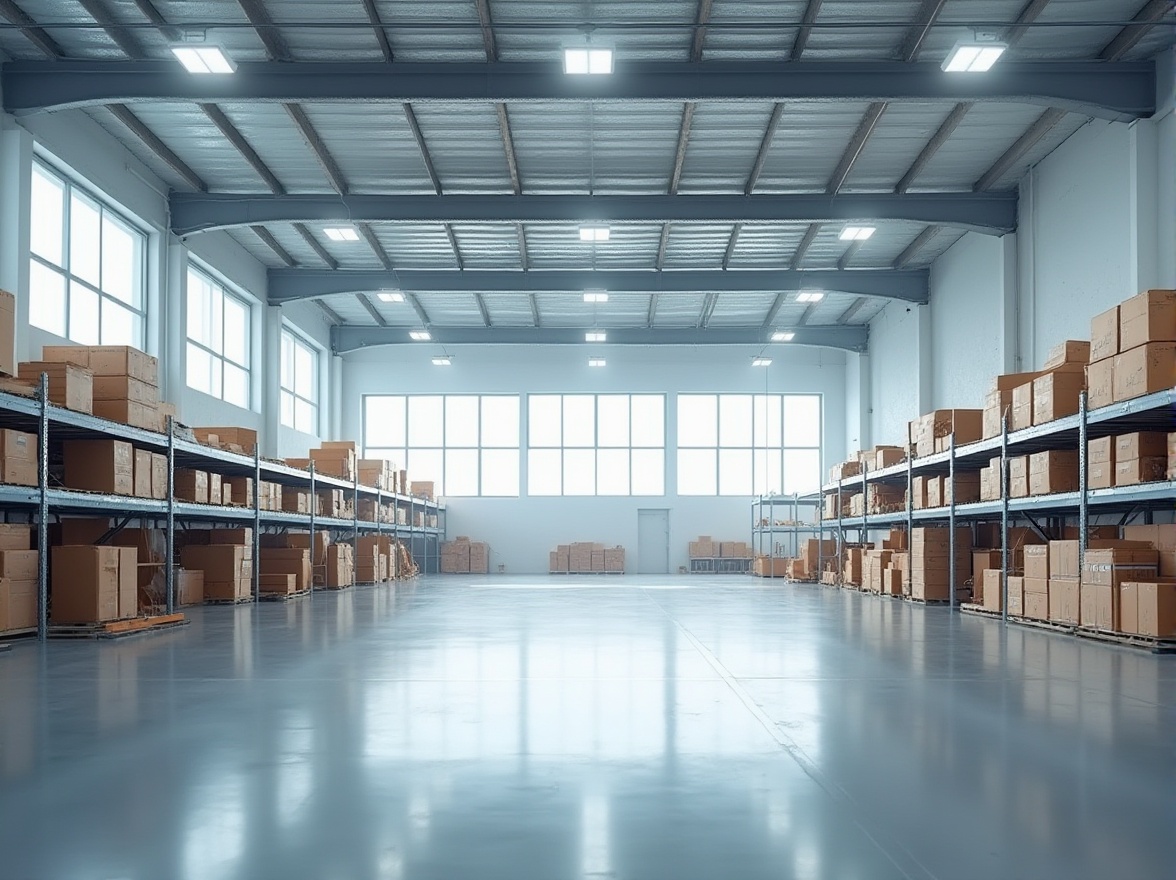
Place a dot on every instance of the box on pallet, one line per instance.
(287, 561)
(1148, 608)
(228, 569)
(93, 584)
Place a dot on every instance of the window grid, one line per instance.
(596, 444)
(467, 444)
(220, 329)
(87, 265)
(299, 383)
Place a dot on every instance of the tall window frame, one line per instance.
(299, 382)
(87, 264)
(219, 353)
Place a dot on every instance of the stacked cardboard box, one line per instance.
(125, 381)
(91, 584)
(18, 586)
(18, 458)
(1053, 471)
(998, 404)
(885, 498)
(99, 466)
(376, 559)
(227, 567)
(705, 547)
(769, 566)
(192, 485)
(931, 564)
(1172, 456)
(1133, 348)
(734, 550)
(1141, 457)
(934, 431)
(377, 473)
(231, 439)
(851, 569)
(811, 553)
(845, 470)
(70, 386)
(422, 489)
(189, 585)
(295, 501)
(1105, 569)
(1055, 392)
(292, 561)
(455, 556)
(340, 567)
(335, 458)
(269, 495)
(586, 557)
(559, 559)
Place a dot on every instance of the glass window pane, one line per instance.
(649, 420)
(85, 239)
(697, 421)
(735, 423)
(648, 472)
(46, 298)
(613, 413)
(288, 409)
(612, 472)
(237, 386)
(120, 326)
(121, 261)
(384, 421)
(735, 471)
(500, 472)
(236, 339)
(461, 472)
(305, 416)
(425, 417)
(47, 216)
(427, 464)
(802, 471)
(305, 370)
(544, 420)
(461, 422)
(199, 308)
(84, 315)
(200, 369)
(802, 420)
(500, 422)
(767, 471)
(579, 472)
(544, 472)
(287, 359)
(579, 420)
(767, 420)
(697, 473)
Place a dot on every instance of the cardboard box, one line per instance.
(100, 466)
(1064, 601)
(189, 586)
(1149, 317)
(125, 388)
(935, 492)
(844, 471)
(19, 565)
(227, 568)
(246, 438)
(1155, 609)
(1100, 463)
(1072, 351)
(293, 561)
(241, 488)
(614, 559)
(1019, 476)
(422, 489)
(142, 475)
(886, 456)
(191, 485)
(1016, 595)
(1144, 369)
(1100, 384)
(1035, 585)
(1104, 335)
(1010, 381)
(70, 386)
(340, 567)
(1113, 566)
(479, 557)
(18, 458)
(1100, 607)
(1133, 471)
(7, 333)
(992, 588)
(1053, 471)
(1141, 444)
(127, 412)
(981, 561)
(1022, 411)
(1036, 561)
(158, 476)
(1034, 606)
(122, 360)
(93, 584)
(18, 605)
(1056, 394)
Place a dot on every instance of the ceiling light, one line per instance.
(594, 233)
(588, 61)
(595, 336)
(596, 362)
(419, 335)
(973, 56)
(441, 362)
(761, 362)
(391, 296)
(203, 58)
(595, 296)
(810, 296)
(783, 336)
(341, 233)
(856, 233)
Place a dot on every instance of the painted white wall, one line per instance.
(897, 357)
(522, 530)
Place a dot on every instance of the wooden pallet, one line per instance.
(593, 572)
(915, 601)
(1128, 640)
(283, 597)
(119, 628)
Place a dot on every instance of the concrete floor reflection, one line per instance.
(633, 728)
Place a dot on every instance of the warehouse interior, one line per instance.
(600, 439)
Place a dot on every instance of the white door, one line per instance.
(653, 542)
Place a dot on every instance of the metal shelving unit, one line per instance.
(764, 507)
(42, 502)
(720, 565)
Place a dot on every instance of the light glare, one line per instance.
(856, 233)
(203, 58)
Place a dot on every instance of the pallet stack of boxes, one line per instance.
(18, 579)
(125, 381)
(377, 559)
(226, 558)
(463, 556)
(586, 558)
(1133, 348)
(284, 566)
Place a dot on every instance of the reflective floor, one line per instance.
(550, 728)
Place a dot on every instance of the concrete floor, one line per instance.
(550, 728)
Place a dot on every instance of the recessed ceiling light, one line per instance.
(419, 335)
(783, 336)
(856, 233)
(391, 296)
(761, 362)
(595, 296)
(588, 61)
(594, 233)
(596, 362)
(441, 362)
(341, 233)
(595, 336)
(203, 58)
(810, 296)
(973, 56)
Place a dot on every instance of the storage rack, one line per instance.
(720, 565)
(37, 415)
(765, 506)
(1152, 412)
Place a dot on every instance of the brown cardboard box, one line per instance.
(70, 386)
(1036, 561)
(1010, 381)
(191, 485)
(1053, 471)
(1133, 471)
(100, 466)
(844, 471)
(93, 584)
(1034, 606)
(7, 333)
(127, 412)
(981, 561)
(158, 476)
(1160, 536)
(967, 488)
(1016, 595)
(1145, 369)
(287, 561)
(224, 565)
(1056, 395)
(340, 567)
(1149, 317)
(1100, 607)
(295, 502)
(1072, 351)
(919, 493)
(422, 489)
(1172, 456)
(885, 456)
(242, 489)
(935, 492)
(246, 438)
(278, 584)
(18, 458)
(992, 588)
(614, 559)
(122, 360)
(1141, 444)
(1104, 335)
(241, 536)
(597, 560)
(1100, 463)
(1113, 566)
(302, 540)
(125, 388)
(18, 605)
(1156, 609)
(1035, 585)
(189, 587)
(19, 565)
(1022, 412)
(142, 476)
(1100, 383)
(997, 406)
(727, 549)
(1064, 601)
(479, 557)
(1019, 476)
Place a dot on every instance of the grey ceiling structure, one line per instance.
(727, 152)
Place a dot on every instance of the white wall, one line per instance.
(522, 530)
(897, 358)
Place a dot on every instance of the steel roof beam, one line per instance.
(1039, 129)
(373, 14)
(122, 37)
(854, 308)
(267, 32)
(313, 243)
(683, 143)
(288, 285)
(920, 241)
(365, 301)
(1119, 90)
(331, 314)
(810, 235)
(805, 30)
(701, 20)
(274, 245)
(138, 128)
(30, 30)
(1149, 15)
(233, 136)
(348, 338)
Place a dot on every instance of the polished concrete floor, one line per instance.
(549, 728)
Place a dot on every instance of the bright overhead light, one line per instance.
(203, 58)
(441, 362)
(595, 336)
(419, 335)
(594, 233)
(973, 56)
(391, 296)
(856, 233)
(341, 233)
(761, 362)
(783, 336)
(596, 362)
(595, 296)
(810, 296)
(585, 61)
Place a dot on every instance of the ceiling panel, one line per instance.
(373, 146)
(678, 309)
(465, 146)
(509, 309)
(808, 144)
(741, 309)
(724, 139)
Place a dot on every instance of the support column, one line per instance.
(1145, 228)
(1165, 122)
(16, 176)
(1009, 341)
(335, 428)
(857, 403)
(271, 388)
(923, 316)
(174, 307)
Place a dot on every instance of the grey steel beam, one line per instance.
(487, 27)
(389, 278)
(732, 243)
(806, 314)
(136, 126)
(419, 137)
(774, 309)
(153, 15)
(365, 301)
(708, 309)
(850, 253)
(123, 37)
(263, 24)
(288, 285)
(315, 142)
(761, 155)
(482, 310)
(369, 236)
(1119, 90)
(649, 317)
(512, 159)
(917, 36)
(806, 242)
(1147, 18)
(1039, 129)
(854, 308)
(857, 143)
(313, 243)
(535, 310)
(348, 338)
(373, 14)
(274, 245)
(30, 30)
(683, 143)
(233, 136)
(946, 130)
(701, 20)
(1029, 14)
(453, 246)
(805, 30)
(990, 213)
(663, 244)
(522, 236)
(920, 240)
(331, 314)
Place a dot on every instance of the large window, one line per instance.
(467, 444)
(749, 444)
(219, 339)
(588, 444)
(85, 266)
(300, 383)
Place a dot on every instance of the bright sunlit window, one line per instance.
(588, 444)
(219, 340)
(86, 265)
(300, 383)
(467, 444)
(749, 444)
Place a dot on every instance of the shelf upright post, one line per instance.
(43, 510)
(1083, 479)
(379, 527)
(1004, 517)
(910, 499)
(951, 524)
(169, 563)
(865, 532)
(257, 522)
(840, 539)
(313, 512)
(354, 520)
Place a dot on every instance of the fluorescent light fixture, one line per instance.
(585, 61)
(856, 233)
(341, 233)
(973, 56)
(761, 362)
(419, 335)
(203, 58)
(595, 296)
(810, 296)
(783, 336)
(594, 233)
(596, 362)
(441, 362)
(390, 296)
(595, 336)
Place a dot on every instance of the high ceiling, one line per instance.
(457, 99)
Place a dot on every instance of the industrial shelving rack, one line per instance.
(784, 541)
(1042, 513)
(39, 503)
